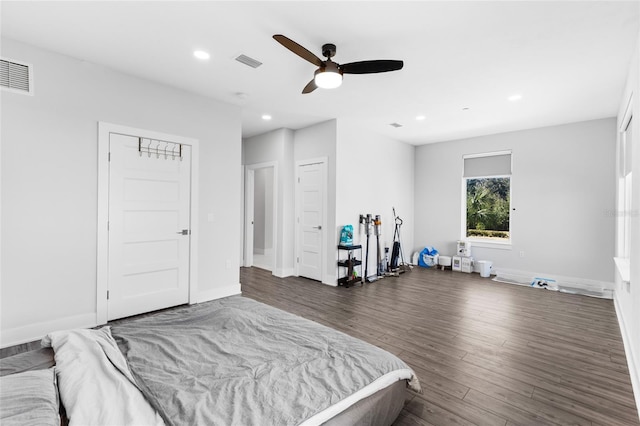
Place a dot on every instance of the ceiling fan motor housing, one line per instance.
(329, 66)
(329, 50)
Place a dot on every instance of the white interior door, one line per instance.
(149, 229)
(310, 220)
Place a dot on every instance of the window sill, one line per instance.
(497, 245)
(624, 268)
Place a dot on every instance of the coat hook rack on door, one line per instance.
(170, 149)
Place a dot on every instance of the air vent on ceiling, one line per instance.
(248, 61)
(15, 76)
(396, 125)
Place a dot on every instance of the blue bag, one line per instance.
(428, 257)
(346, 235)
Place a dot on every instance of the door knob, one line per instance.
(317, 227)
(184, 232)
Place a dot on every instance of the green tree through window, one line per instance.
(488, 208)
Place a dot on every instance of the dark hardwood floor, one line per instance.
(486, 353)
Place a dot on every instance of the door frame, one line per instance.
(102, 264)
(323, 250)
(249, 196)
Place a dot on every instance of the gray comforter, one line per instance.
(239, 362)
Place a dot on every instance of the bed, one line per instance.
(232, 361)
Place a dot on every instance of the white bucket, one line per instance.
(485, 268)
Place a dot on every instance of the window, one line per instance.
(625, 206)
(624, 211)
(487, 197)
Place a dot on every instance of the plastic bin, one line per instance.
(485, 268)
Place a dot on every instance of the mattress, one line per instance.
(230, 361)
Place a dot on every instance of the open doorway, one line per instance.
(260, 204)
(263, 255)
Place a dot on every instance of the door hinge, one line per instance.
(297, 259)
(107, 225)
(298, 180)
(109, 157)
(107, 294)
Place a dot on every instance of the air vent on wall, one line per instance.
(15, 76)
(248, 61)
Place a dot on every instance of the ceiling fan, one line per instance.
(329, 73)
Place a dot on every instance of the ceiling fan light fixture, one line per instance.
(328, 79)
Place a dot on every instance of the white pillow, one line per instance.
(96, 386)
(29, 398)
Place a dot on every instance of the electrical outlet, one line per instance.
(228, 264)
(521, 253)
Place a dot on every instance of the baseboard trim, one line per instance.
(634, 373)
(31, 332)
(568, 284)
(332, 281)
(36, 331)
(218, 293)
(284, 272)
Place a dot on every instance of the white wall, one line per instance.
(562, 190)
(49, 185)
(377, 173)
(311, 143)
(286, 187)
(277, 147)
(627, 297)
(285, 147)
(374, 174)
(268, 208)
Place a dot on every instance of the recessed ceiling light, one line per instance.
(420, 117)
(513, 98)
(266, 117)
(201, 54)
(466, 109)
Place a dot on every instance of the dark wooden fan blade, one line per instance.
(298, 50)
(310, 87)
(370, 67)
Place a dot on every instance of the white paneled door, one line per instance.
(310, 219)
(149, 229)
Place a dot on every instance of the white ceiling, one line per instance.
(568, 59)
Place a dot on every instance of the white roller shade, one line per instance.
(498, 164)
